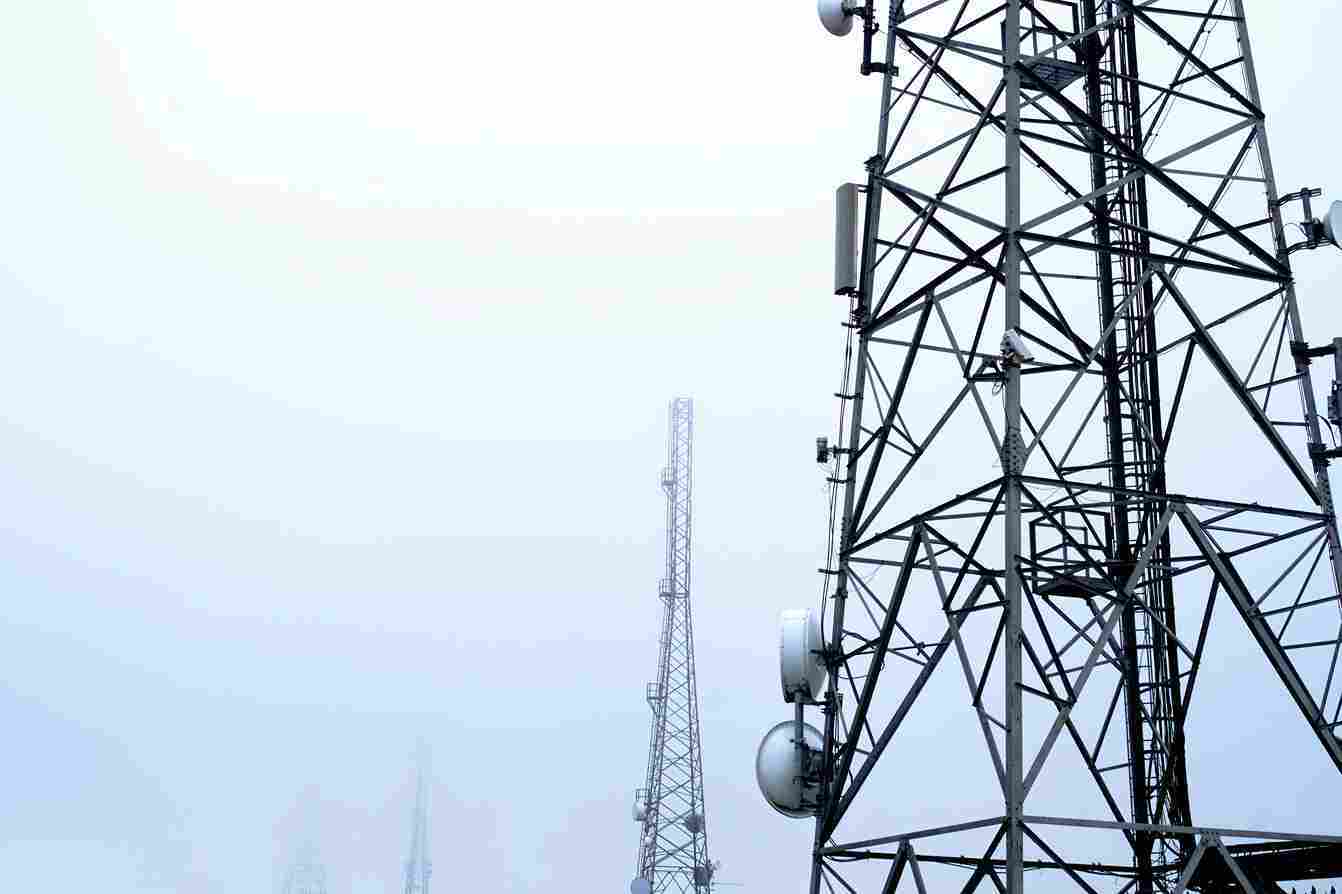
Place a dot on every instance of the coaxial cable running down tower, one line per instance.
(1080, 451)
(669, 808)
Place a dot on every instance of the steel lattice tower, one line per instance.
(417, 866)
(306, 874)
(673, 839)
(1056, 522)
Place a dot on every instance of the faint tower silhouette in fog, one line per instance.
(418, 868)
(306, 874)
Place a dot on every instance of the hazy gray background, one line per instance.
(333, 369)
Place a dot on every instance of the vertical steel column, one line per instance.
(860, 317)
(1013, 448)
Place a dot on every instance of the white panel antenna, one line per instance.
(846, 243)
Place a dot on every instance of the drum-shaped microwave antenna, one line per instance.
(1332, 224)
(640, 885)
(836, 18)
(800, 644)
(787, 771)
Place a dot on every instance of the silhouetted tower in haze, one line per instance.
(306, 874)
(417, 866)
(673, 833)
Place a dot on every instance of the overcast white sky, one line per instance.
(333, 375)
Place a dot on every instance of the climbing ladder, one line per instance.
(1137, 465)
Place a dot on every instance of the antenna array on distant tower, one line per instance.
(673, 829)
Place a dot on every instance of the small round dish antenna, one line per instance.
(785, 769)
(837, 18)
(800, 644)
(640, 885)
(1332, 224)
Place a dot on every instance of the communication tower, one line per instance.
(669, 808)
(1079, 450)
(417, 866)
(306, 874)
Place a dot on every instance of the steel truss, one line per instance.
(1060, 530)
(418, 865)
(673, 841)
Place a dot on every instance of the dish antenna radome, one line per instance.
(800, 644)
(1332, 224)
(786, 769)
(835, 16)
(640, 885)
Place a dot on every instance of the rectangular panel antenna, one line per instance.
(845, 239)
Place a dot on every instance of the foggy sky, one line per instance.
(332, 397)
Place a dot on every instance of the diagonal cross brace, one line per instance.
(953, 623)
(1090, 358)
(1091, 660)
(873, 674)
(896, 869)
(915, 689)
(1227, 372)
(1154, 172)
(1191, 866)
(1235, 588)
(895, 399)
(1233, 864)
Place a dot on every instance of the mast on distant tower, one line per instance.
(417, 866)
(673, 832)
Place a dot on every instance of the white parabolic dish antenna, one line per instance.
(780, 772)
(837, 20)
(640, 885)
(799, 646)
(1332, 224)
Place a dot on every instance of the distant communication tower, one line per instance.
(417, 865)
(306, 874)
(673, 829)
(1078, 425)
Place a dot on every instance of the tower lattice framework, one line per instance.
(1043, 538)
(673, 839)
(418, 867)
